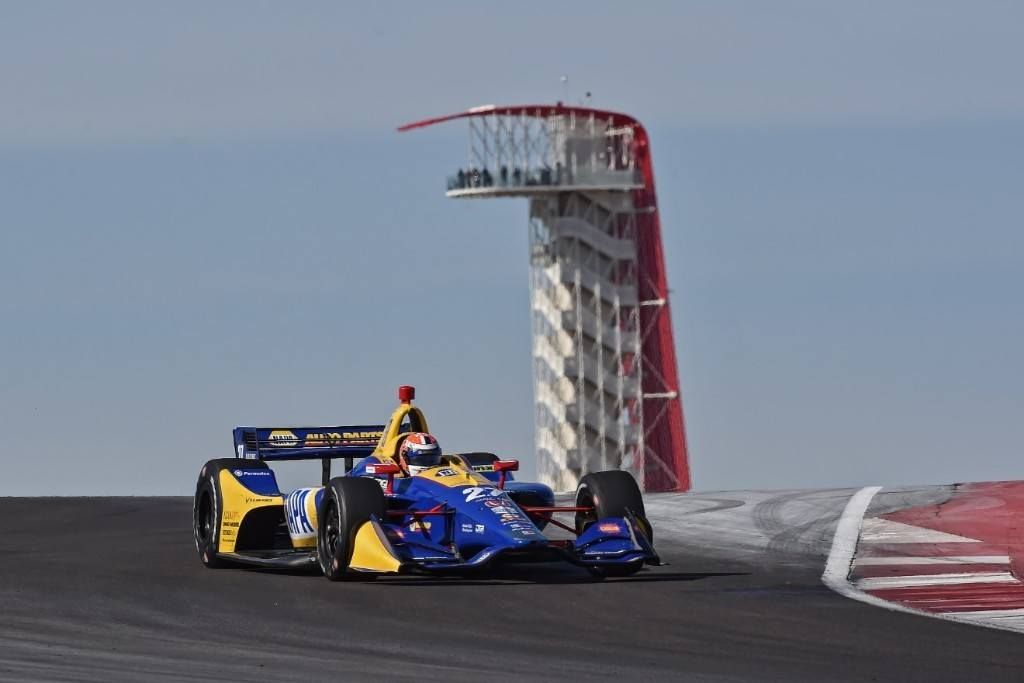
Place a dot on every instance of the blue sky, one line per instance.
(208, 220)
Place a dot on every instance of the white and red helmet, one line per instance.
(419, 451)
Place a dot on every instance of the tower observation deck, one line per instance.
(606, 384)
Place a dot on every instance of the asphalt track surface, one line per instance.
(99, 589)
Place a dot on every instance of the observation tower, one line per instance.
(606, 385)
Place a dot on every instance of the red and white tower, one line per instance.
(606, 385)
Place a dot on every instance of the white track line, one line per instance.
(844, 544)
(840, 559)
(1001, 619)
(947, 559)
(884, 531)
(919, 580)
(993, 614)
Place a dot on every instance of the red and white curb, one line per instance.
(950, 562)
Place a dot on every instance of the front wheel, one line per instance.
(207, 508)
(611, 494)
(348, 502)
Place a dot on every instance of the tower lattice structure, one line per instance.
(605, 376)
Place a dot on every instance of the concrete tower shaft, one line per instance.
(605, 379)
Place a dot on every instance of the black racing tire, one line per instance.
(207, 510)
(348, 502)
(611, 494)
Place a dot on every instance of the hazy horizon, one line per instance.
(209, 220)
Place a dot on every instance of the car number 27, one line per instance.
(477, 492)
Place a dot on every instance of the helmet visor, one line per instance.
(429, 458)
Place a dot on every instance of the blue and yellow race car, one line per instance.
(463, 513)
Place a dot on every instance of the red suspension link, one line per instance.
(546, 510)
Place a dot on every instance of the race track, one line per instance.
(98, 589)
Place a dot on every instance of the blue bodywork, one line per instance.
(436, 523)
(472, 525)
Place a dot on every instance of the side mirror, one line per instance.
(503, 467)
(383, 468)
(388, 468)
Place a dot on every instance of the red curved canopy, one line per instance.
(535, 110)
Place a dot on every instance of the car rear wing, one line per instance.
(307, 443)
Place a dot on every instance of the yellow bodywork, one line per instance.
(237, 502)
(454, 473)
(371, 551)
(391, 439)
(387, 447)
(308, 542)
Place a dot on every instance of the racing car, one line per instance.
(464, 512)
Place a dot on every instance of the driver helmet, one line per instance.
(419, 451)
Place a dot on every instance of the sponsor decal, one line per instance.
(477, 492)
(282, 438)
(447, 472)
(609, 527)
(260, 501)
(467, 528)
(362, 435)
(252, 473)
(419, 526)
(342, 438)
(232, 514)
(322, 439)
(510, 516)
(483, 468)
(478, 528)
(295, 515)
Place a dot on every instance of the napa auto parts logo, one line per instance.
(323, 439)
(343, 438)
(300, 513)
(283, 438)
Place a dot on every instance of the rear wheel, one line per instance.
(207, 507)
(348, 502)
(611, 494)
